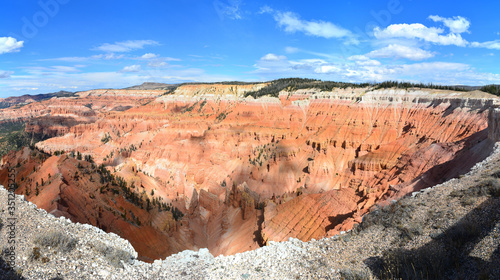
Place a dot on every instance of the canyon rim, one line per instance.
(210, 166)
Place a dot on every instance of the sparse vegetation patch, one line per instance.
(113, 255)
(55, 239)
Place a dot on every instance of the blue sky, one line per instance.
(52, 45)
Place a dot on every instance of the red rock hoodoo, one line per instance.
(203, 166)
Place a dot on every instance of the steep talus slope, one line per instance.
(244, 172)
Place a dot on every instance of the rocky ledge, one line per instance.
(449, 231)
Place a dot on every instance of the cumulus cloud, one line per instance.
(5, 74)
(493, 45)
(362, 68)
(131, 68)
(125, 46)
(397, 32)
(399, 51)
(456, 24)
(149, 56)
(272, 56)
(10, 45)
(421, 32)
(292, 23)
(325, 69)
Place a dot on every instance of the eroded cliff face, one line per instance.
(55, 116)
(214, 90)
(244, 172)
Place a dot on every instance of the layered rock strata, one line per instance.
(244, 172)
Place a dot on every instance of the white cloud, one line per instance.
(149, 56)
(399, 51)
(10, 45)
(40, 82)
(157, 64)
(326, 69)
(108, 56)
(358, 57)
(5, 74)
(456, 24)
(432, 67)
(272, 56)
(266, 10)
(125, 46)
(271, 64)
(292, 23)
(363, 60)
(230, 9)
(419, 31)
(155, 61)
(369, 62)
(131, 68)
(317, 61)
(493, 45)
(360, 68)
(306, 65)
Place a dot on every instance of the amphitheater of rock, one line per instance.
(242, 171)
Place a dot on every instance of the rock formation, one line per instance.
(237, 172)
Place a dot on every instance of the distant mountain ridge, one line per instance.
(26, 99)
(149, 86)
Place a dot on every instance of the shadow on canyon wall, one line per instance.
(477, 147)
